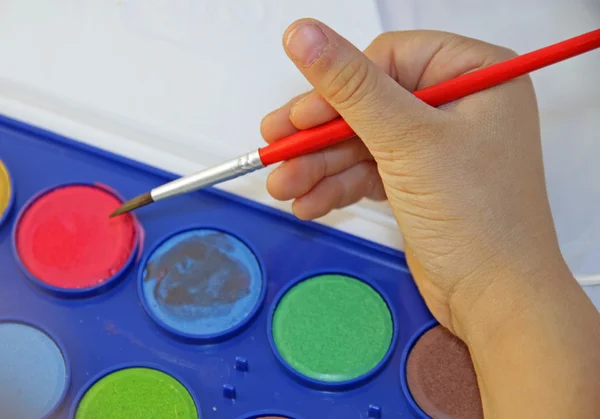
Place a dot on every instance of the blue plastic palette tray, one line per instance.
(234, 374)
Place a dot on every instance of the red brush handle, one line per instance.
(322, 136)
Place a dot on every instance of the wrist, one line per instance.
(485, 310)
(529, 328)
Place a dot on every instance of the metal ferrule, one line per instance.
(211, 176)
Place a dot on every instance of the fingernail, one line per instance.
(306, 43)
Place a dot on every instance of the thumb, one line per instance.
(362, 93)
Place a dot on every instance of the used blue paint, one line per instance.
(201, 282)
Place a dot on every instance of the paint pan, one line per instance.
(293, 320)
(202, 284)
(332, 331)
(6, 193)
(34, 373)
(65, 242)
(136, 392)
(438, 376)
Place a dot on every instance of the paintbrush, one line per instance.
(317, 138)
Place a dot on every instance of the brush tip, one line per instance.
(117, 212)
(133, 204)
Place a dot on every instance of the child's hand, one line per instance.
(465, 181)
(466, 184)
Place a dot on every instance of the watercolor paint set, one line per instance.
(201, 306)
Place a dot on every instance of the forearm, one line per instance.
(535, 345)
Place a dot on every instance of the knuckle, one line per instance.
(478, 53)
(350, 85)
(496, 54)
(384, 38)
(371, 179)
(508, 52)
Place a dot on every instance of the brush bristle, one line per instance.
(133, 204)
